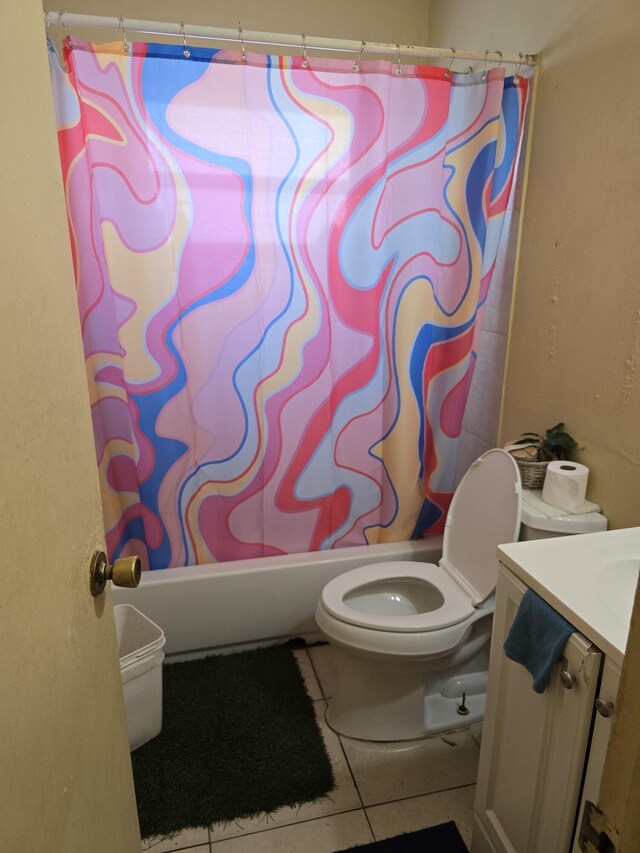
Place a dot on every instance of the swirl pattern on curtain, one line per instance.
(279, 273)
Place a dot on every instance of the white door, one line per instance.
(65, 772)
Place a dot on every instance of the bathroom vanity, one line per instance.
(542, 754)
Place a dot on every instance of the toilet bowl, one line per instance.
(415, 636)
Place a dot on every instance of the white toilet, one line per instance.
(415, 636)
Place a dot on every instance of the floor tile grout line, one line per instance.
(315, 672)
(366, 817)
(363, 808)
(326, 700)
(180, 849)
(353, 778)
(418, 796)
(352, 774)
(284, 825)
(340, 812)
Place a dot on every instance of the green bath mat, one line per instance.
(238, 738)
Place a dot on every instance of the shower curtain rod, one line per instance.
(241, 37)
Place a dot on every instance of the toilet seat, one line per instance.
(456, 605)
(484, 513)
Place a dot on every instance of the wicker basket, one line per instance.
(532, 473)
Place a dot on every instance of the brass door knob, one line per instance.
(125, 571)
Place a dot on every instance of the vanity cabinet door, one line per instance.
(533, 745)
(599, 741)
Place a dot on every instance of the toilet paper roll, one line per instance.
(565, 485)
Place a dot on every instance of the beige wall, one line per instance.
(575, 342)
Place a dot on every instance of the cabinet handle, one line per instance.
(603, 707)
(567, 679)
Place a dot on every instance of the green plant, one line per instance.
(554, 444)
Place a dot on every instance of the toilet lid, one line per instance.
(484, 513)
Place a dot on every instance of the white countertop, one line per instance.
(589, 579)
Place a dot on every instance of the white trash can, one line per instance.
(140, 644)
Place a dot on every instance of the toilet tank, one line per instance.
(542, 521)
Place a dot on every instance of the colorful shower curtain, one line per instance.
(280, 271)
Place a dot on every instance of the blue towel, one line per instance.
(537, 637)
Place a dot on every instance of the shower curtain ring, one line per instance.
(499, 53)
(244, 52)
(483, 76)
(447, 73)
(67, 29)
(125, 43)
(62, 23)
(185, 50)
(516, 76)
(356, 64)
(399, 67)
(305, 61)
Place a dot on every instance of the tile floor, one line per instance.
(381, 789)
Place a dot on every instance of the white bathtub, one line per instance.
(247, 602)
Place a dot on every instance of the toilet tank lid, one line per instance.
(484, 513)
(558, 521)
